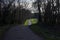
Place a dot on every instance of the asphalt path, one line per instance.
(20, 32)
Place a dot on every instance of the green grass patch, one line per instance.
(32, 20)
(42, 32)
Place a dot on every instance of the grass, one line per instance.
(43, 33)
(32, 20)
(3, 29)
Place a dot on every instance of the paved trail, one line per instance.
(21, 33)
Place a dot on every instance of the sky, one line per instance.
(27, 1)
(29, 4)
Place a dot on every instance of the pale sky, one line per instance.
(29, 4)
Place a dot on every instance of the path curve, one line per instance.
(20, 33)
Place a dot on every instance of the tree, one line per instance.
(6, 13)
(48, 13)
(39, 14)
(37, 4)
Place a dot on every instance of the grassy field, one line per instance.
(32, 20)
(44, 33)
(3, 29)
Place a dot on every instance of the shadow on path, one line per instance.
(20, 33)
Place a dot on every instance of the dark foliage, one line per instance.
(10, 14)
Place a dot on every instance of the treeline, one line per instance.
(10, 14)
(48, 11)
(52, 14)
